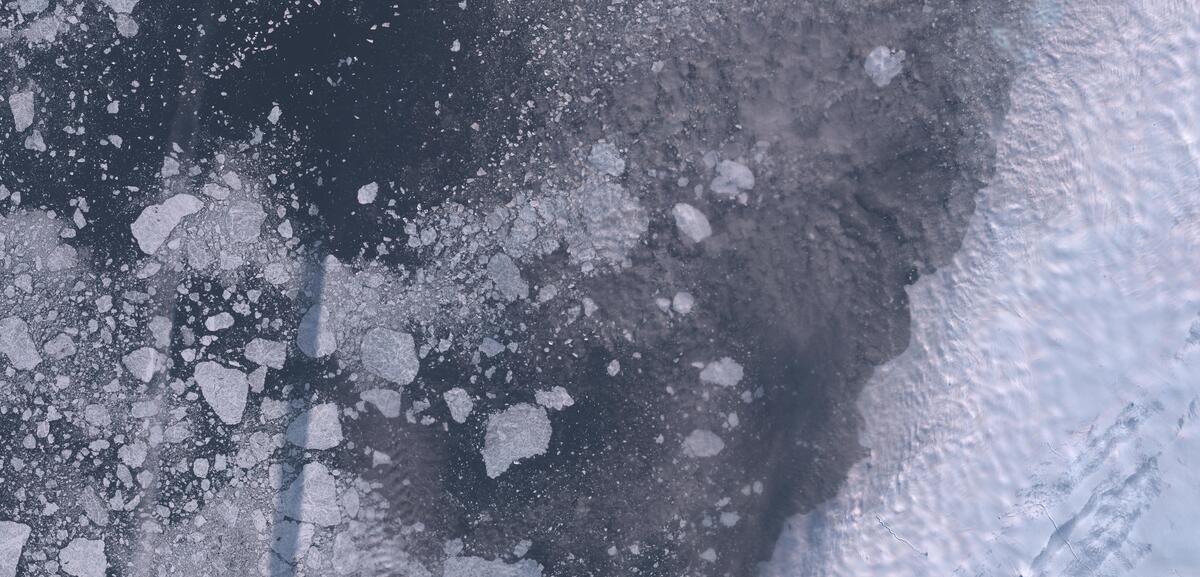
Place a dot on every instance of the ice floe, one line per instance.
(224, 389)
(518, 432)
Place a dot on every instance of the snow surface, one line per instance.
(555, 399)
(1043, 421)
(17, 345)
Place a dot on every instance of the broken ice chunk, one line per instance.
(218, 322)
(314, 336)
(84, 558)
(390, 355)
(702, 443)
(605, 158)
(555, 399)
(386, 400)
(273, 116)
(317, 429)
(732, 178)
(21, 104)
(518, 432)
(367, 193)
(691, 222)
(12, 541)
(883, 64)
(214, 190)
(59, 347)
(460, 404)
(224, 390)
(725, 372)
(266, 353)
(312, 497)
(121, 6)
(17, 345)
(245, 221)
(143, 363)
(480, 567)
(154, 225)
(507, 277)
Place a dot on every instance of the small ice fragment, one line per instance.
(883, 64)
(691, 222)
(555, 399)
(21, 104)
(390, 355)
(218, 322)
(266, 353)
(312, 497)
(683, 302)
(386, 400)
(368, 192)
(84, 558)
(732, 178)
(614, 368)
(455, 46)
(490, 347)
(35, 141)
(214, 190)
(725, 372)
(460, 404)
(224, 390)
(317, 429)
(606, 159)
(702, 443)
(116, 140)
(17, 344)
(157, 221)
(274, 115)
(12, 541)
(143, 363)
(480, 567)
(518, 432)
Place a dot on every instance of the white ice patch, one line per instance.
(17, 345)
(21, 105)
(732, 178)
(518, 432)
(12, 541)
(368, 192)
(386, 400)
(691, 222)
(312, 497)
(555, 399)
(459, 402)
(143, 363)
(683, 302)
(266, 353)
(218, 322)
(157, 221)
(883, 64)
(317, 429)
(725, 372)
(702, 443)
(390, 355)
(84, 558)
(224, 390)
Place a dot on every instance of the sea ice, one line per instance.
(368, 192)
(312, 497)
(518, 432)
(386, 400)
(460, 404)
(224, 390)
(390, 355)
(507, 277)
(480, 567)
(732, 178)
(702, 443)
(314, 336)
(605, 158)
(691, 222)
(84, 558)
(683, 302)
(12, 541)
(154, 225)
(725, 372)
(21, 104)
(317, 429)
(17, 345)
(555, 399)
(883, 64)
(266, 353)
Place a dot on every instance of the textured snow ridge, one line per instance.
(1043, 421)
(157, 221)
(224, 390)
(12, 541)
(518, 432)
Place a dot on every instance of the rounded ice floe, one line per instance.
(84, 558)
(725, 372)
(368, 192)
(224, 390)
(555, 399)
(17, 344)
(390, 355)
(883, 64)
(317, 429)
(518, 432)
(12, 541)
(702, 443)
(732, 178)
(683, 302)
(157, 221)
(312, 497)
(460, 404)
(691, 222)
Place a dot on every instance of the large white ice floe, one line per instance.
(154, 226)
(518, 432)
(224, 389)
